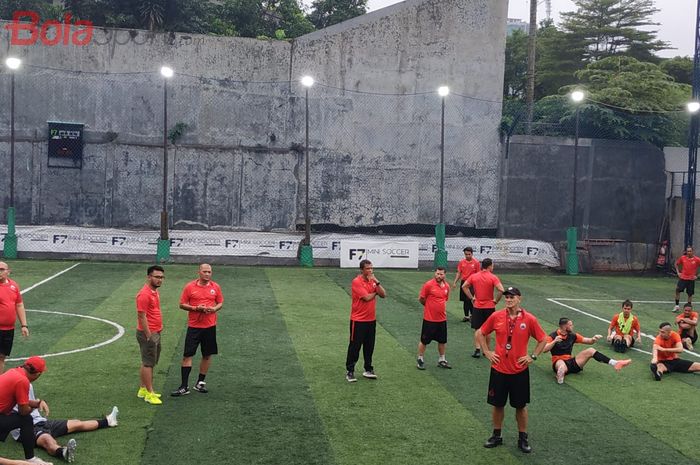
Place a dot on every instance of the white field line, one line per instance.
(670, 302)
(48, 279)
(120, 328)
(607, 322)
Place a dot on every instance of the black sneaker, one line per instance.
(493, 441)
(465, 319)
(655, 372)
(350, 377)
(523, 445)
(444, 364)
(181, 391)
(477, 353)
(420, 364)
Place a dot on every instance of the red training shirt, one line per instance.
(669, 343)
(363, 310)
(9, 298)
(692, 316)
(436, 297)
(688, 267)
(484, 282)
(466, 268)
(195, 294)
(148, 302)
(14, 389)
(521, 329)
(615, 325)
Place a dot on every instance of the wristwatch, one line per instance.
(533, 356)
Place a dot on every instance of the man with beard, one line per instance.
(433, 296)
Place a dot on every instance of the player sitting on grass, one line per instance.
(561, 344)
(687, 326)
(623, 328)
(665, 358)
(46, 431)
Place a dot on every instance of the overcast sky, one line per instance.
(677, 18)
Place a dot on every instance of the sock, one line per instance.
(522, 435)
(102, 423)
(442, 358)
(201, 377)
(60, 453)
(678, 302)
(420, 357)
(477, 349)
(497, 432)
(185, 373)
(612, 362)
(598, 357)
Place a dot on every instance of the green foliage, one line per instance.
(515, 81)
(177, 131)
(679, 68)
(325, 13)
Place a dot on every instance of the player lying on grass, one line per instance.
(561, 344)
(665, 356)
(46, 431)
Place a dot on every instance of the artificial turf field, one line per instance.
(277, 388)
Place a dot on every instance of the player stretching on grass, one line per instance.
(687, 326)
(687, 270)
(363, 321)
(665, 358)
(561, 344)
(46, 431)
(622, 329)
(433, 296)
(203, 299)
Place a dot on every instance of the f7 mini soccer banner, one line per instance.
(381, 254)
(65, 145)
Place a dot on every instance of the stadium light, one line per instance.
(443, 91)
(307, 81)
(10, 248)
(167, 72)
(577, 96)
(163, 251)
(13, 63)
(693, 107)
(306, 256)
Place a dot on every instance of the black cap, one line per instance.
(512, 291)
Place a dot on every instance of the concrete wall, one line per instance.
(677, 174)
(375, 158)
(620, 189)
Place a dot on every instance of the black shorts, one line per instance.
(686, 285)
(678, 365)
(514, 387)
(55, 428)
(571, 367)
(7, 337)
(433, 331)
(480, 315)
(206, 337)
(693, 338)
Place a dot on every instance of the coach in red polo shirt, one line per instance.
(510, 376)
(11, 308)
(363, 320)
(434, 295)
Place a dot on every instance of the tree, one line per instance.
(325, 13)
(614, 27)
(515, 66)
(559, 56)
(679, 68)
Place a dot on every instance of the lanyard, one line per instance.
(511, 328)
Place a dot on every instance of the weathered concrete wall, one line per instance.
(239, 163)
(620, 189)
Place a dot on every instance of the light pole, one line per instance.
(440, 250)
(10, 247)
(693, 108)
(577, 97)
(306, 257)
(163, 250)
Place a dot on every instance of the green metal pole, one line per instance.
(440, 251)
(10, 248)
(571, 254)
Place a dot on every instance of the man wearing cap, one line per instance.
(510, 376)
(561, 344)
(687, 326)
(11, 308)
(433, 296)
(484, 283)
(149, 326)
(623, 329)
(465, 268)
(665, 356)
(14, 390)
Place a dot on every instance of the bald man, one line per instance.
(11, 308)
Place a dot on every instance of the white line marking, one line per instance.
(48, 279)
(670, 302)
(120, 333)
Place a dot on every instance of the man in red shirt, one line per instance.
(11, 308)
(623, 328)
(687, 326)
(510, 374)
(149, 324)
(465, 268)
(665, 358)
(14, 390)
(433, 296)
(561, 344)
(484, 282)
(203, 299)
(687, 270)
(363, 320)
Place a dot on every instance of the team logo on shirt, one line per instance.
(12, 287)
(212, 292)
(523, 326)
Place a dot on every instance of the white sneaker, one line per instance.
(38, 461)
(369, 374)
(112, 417)
(676, 309)
(69, 451)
